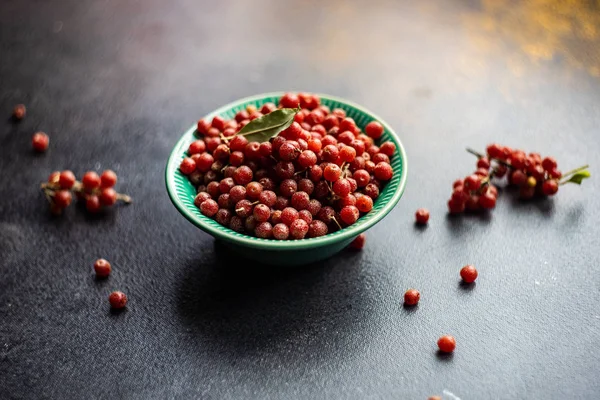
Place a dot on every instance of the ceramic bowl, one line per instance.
(286, 252)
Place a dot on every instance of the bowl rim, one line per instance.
(271, 244)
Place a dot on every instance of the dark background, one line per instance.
(115, 83)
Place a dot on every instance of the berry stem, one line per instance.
(480, 155)
(574, 171)
(337, 223)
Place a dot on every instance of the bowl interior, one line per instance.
(182, 192)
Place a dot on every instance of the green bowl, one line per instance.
(286, 252)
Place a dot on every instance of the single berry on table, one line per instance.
(446, 344)
(102, 268)
(19, 112)
(412, 297)
(422, 216)
(40, 142)
(468, 273)
(117, 300)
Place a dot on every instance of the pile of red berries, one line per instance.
(533, 175)
(96, 190)
(318, 175)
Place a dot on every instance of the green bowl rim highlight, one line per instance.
(227, 234)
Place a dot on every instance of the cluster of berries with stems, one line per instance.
(446, 344)
(96, 190)
(531, 173)
(318, 175)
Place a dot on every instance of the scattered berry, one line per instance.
(359, 242)
(411, 297)
(468, 273)
(446, 344)
(102, 268)
(422, 216)
(40, 142)
(19, 112)
(117, 300)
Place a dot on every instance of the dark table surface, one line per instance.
(115, 83)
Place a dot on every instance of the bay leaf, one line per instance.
(269, 125)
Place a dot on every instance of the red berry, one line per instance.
(300, 200)
(359, 242)
(288, 187)
(281, 232)
(92, 203)
(298, 229)
(197, 147)
(223, 216)
(446, 344)
(90, 180)
(341, 187)
(458, 182)
(66, 179)
(62, 198)
(412, 297)
(224, 201)
(261, 213)
(204, 162)
(422, 216)
(472, 203)
(349, 214)
(226, 184)
(102, 268)
(314, 206)
(306, 216)
(307, 159)
(472, 182)
(468, 273)
(108, 178)
(383, 171)
(364, 204)
(306, 185)
(117, 300)
(518, 177)
(243, 175)
(40, 142)
(332, 172)
(284, 170)
(187, 166)
(238, 143)
(347, 153)
(372, 191)
(549, 164)
(487, 200)
(317, 228)
(330, 153)
(236, 224)
(210, 207)
(289, 215)
(494, 150)
(483, 163)
(347, 124)
(554, 173)
(267, 108)
(289, 100)
(200, 198)
(550, 187)
(108, 197)
(19, 112)
(374, 129)
(348, 200)
(203, 126)
(456, 207)
(315, 173)
(388, 148)
(212, 142)
(253, 190)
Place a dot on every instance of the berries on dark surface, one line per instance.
(359, 242)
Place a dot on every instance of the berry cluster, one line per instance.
(531, 173)
(316, 176)
(96, 190)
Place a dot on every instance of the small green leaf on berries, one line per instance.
(269, 125)
(578, 177)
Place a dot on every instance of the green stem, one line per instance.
(480, 155)
(574, 171)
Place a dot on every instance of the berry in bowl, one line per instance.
(285, 178)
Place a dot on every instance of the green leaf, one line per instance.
(264, 128)
(578, 177)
